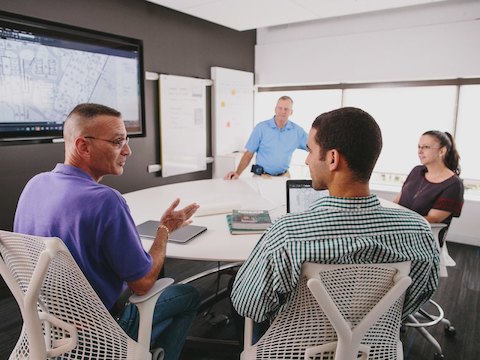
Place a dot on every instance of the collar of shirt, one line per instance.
(346, 204)
(71, 170)
(273, 125)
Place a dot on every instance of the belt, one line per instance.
(283, 173)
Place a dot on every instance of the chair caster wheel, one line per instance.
(157, 354)
(217, 319)
(450, 331)
(438, 356)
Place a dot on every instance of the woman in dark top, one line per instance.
(434, 189)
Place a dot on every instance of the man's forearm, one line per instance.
(244, 161)
(157, 253)
(159, 249)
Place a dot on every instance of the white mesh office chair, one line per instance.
(338, 312)
(432, 313)
(62, 315)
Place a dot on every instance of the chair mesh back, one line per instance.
(67, 295)
(355, 290)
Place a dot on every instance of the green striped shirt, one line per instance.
(335, 231)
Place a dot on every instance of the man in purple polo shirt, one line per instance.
(95, 223)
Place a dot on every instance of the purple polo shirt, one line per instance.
(94, 222)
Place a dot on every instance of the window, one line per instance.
(467, 136)
(403, 112)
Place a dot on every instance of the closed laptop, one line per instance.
(148, 229)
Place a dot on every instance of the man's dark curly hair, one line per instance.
(354, 134)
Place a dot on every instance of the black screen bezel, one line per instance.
(96, 40)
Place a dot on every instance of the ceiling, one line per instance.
(253, 14)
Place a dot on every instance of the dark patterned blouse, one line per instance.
(421, 195)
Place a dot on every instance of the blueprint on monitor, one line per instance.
(43, 83)
(302, 197)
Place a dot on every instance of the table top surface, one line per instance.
(216, 197)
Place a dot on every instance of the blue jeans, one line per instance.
(174, 312)
(258, 330)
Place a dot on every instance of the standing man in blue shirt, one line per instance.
(274, 141)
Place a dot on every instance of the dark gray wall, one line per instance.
(174, 43)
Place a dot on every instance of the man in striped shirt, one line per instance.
(349, 226)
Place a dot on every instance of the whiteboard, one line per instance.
(232, 114)
(183, 133)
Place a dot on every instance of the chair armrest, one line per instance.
(146, 306)
(248, 333)
(157, 288)
(440, 241)
(436, 230)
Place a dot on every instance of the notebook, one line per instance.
(148, 229)
(300, 195)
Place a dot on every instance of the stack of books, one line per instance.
(248, 221)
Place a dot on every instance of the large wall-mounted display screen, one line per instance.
(46, 69)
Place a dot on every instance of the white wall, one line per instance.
(440, 41)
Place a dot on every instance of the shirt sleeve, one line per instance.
(451, 199)
(424, 283)
(254, 140)
(255, 293)
(121, 243)
(303, 139)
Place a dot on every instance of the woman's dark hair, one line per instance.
(451, 159)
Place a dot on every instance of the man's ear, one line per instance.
(333, 159)
(82, 148)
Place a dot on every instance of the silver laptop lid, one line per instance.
(148, 229)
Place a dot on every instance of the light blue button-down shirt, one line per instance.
(275, 146)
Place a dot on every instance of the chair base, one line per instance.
(449, 330)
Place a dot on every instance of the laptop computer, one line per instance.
(300, 195)
(148, 229)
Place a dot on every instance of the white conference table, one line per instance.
(216, 197)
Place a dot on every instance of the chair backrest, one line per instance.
(62, 314)
(337, 312)
(440, 231)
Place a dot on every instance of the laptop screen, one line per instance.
(300, 195)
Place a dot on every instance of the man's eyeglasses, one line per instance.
(119, 143)
(427, 147)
